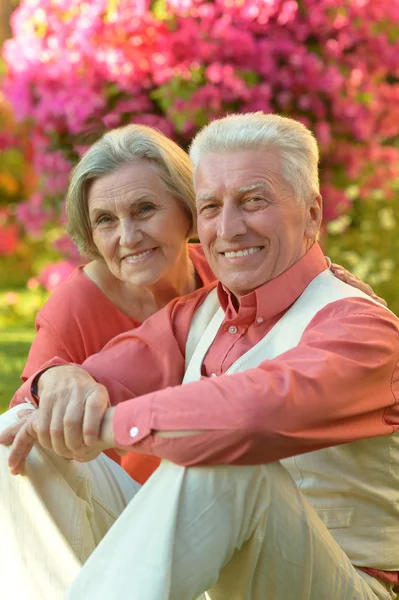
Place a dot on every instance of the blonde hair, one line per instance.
(114, 149)
(293, 141)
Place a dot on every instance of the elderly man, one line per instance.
(288, 410)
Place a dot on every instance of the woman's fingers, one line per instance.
(356, 282)
(379, 299)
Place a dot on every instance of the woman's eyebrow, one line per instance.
(131, 203)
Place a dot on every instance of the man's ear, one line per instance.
(314, 217)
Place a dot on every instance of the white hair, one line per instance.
(293, 141)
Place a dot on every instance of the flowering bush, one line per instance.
(16, 174)
(75, 68)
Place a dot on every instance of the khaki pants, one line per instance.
(241, 533)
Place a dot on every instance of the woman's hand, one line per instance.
(344, 275)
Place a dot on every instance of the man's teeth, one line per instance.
(242, 252)
(136, 257)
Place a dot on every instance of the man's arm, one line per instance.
(341, 383)
(72, 403)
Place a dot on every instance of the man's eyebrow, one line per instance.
(205, 197)
(241, 190)
(254, 186)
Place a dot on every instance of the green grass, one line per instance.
(14, 345)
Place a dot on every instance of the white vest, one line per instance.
(354, 487)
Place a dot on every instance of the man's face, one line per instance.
(250, 224)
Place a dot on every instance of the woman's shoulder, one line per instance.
(200, 263)
(77, 293)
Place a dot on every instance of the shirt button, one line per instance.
(259, 320)
(232, 329)
(213, 375)
(134, 432)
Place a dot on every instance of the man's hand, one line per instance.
(21, 437)
(72, 407)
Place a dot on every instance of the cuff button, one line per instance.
(134, 432)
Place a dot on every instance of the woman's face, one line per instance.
(138, 227)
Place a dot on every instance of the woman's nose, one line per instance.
(130, 234)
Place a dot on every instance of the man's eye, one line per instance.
(257, 201)
(208, 207)
(144, 209)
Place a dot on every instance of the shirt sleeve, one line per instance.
(340, 384)
(45, 346)
(145, 359)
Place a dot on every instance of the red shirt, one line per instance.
(77, 321)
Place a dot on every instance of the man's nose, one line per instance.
(231, 223)
(130, 233)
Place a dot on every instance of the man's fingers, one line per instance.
(57, 431)
(96, 404)
(8, 435)
(42, 424)
(24, 412)
(73, 425)
(22, 445)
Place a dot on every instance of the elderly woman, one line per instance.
(131, 210)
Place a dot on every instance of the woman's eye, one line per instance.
(103, 220)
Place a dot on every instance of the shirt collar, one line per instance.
(276, 295)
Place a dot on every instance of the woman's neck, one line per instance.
(139, 302)
(180, 281)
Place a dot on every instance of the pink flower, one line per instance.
(74, 68)
(54, 274)
(8, 239)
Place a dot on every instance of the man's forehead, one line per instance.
(236, 160)
(236, 171)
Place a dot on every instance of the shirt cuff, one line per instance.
(132, 421)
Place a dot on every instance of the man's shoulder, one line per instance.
(355, 319)
(340, 298)
(361, 305)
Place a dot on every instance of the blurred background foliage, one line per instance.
(72, 69)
